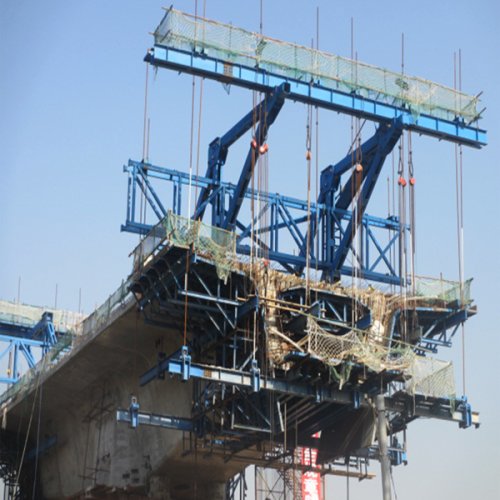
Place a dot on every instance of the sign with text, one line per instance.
(311, 481)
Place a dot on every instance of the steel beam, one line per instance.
(165, 421)
(315, 94)
(417, 406)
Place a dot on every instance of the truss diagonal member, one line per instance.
(387, 139)
(271, 108)
(219, 147)
(372, 154)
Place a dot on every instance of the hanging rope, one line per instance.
(460, 215)
(412, 212)
(143, 199)
(189, 243)
(317, 163)
(403, 266)
(37, 440)
(308, 232)
(353, 139)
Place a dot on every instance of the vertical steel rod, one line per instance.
(382, 443)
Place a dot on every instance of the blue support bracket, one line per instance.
(466, 409)
(272, 106)
(255, 375)
(133, 410)
(44, 330)
(217, 155)
(384, 141)
(250, 306)
(356, 398)
(397, 456)
(186, 364)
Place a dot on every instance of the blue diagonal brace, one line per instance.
(388, 137)
(385, 137)
(217, 155)
(147, 188)
(272, 106)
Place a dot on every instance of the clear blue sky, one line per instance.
(71, 111)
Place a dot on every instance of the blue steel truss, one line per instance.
(339, 213)
(21, 340)
(287, 215)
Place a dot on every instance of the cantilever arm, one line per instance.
(272, 106)
(218, 149)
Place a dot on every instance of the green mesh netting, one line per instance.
(437, 290)
(335, 349)
(427, 376)
(235, 45)
(211, 242)
(28, 316)
(431, 377)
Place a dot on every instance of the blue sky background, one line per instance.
(71, 115)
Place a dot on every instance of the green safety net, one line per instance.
(440, 290)
(427, 376)
(238, 46)
(213, 243)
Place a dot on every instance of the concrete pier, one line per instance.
(97, 457)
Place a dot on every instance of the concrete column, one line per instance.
(382, 444)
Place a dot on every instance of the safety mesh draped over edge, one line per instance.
(238, 46)
(211, 242)
(427, 376)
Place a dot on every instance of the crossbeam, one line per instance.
(441, 408)
(315, 94)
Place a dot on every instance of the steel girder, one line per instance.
(314, 93)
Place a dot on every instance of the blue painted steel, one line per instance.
(255, 374)
(280, 207)
(21, 339)
(467, 414)
(165, 421)
(134, 412)
(272, 106)
(318, 391)
(218, 150)
(186, 364)
(356, 398)
(386, 138)
(397, 455)
(315, 94)
(48, 443)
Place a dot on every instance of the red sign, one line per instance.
(311, 481)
